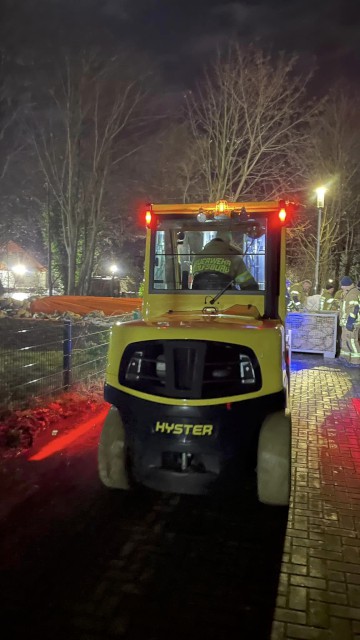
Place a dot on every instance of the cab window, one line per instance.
(193, 257)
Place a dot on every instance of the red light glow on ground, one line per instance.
(63, 441)
(356, 403)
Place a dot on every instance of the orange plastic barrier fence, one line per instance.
(82, 305)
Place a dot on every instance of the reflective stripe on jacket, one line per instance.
(328, 301)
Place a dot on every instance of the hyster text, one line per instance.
(178, 429)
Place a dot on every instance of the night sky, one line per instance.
(183, 34)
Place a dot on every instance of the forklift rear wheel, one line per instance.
(111, 453)
(274, 460)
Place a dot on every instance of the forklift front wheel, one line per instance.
(274, 460)
(111, 453)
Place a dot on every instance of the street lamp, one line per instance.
(320, 203)
(113, 269)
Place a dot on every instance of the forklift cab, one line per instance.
(181, 265)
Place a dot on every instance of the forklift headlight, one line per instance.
(133, 370)
(247, 373)
(161, 367)
(201, 217)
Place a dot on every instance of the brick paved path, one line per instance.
(158, 566)
(319, 586)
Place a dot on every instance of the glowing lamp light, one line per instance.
(221, 206)
(19, 269)
(320, 195)
(148, 218)
(282, 214)
(113, 269)
(20, 295)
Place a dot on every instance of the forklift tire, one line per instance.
(111, 453)
(274, 460)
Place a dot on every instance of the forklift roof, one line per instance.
(222, 206)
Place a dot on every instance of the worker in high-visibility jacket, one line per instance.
(327, 300)
(338, 299)
(299, 293)
(222, 259)
(350, 323)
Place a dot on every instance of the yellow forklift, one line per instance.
(199, 384)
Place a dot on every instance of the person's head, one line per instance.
(330, 287)
(306, 285)
(225, 236)
(346, 283)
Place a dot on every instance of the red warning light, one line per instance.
(148, 218)
(282, 211)
(282, 214)
(148, 215)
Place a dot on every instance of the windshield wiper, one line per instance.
(218, 295)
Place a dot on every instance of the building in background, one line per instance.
(19, 270)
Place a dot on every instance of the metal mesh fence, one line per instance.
(41, 358)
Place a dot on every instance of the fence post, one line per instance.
(67, 352)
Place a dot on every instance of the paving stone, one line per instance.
(318, 568)
(354, 595)
(304, 581)
(338, 587)
(318, 614)
(329, 596)
(278, 630)
(306, 633)
(288, 615)
(341, 629)
(299, 555)
(351, 613)
(298, 598)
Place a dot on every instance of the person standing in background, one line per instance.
(337, 299)
(327, 300)
(350, 323)
(299, 293)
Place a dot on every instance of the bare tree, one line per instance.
(332, 159)
(167, 169)
(12, 107)
(250, 122)
(89, 131)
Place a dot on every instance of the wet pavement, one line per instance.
(82, 562)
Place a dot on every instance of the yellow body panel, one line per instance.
(264, 337)
(158, 304)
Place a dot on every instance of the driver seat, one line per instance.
(213, 280)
